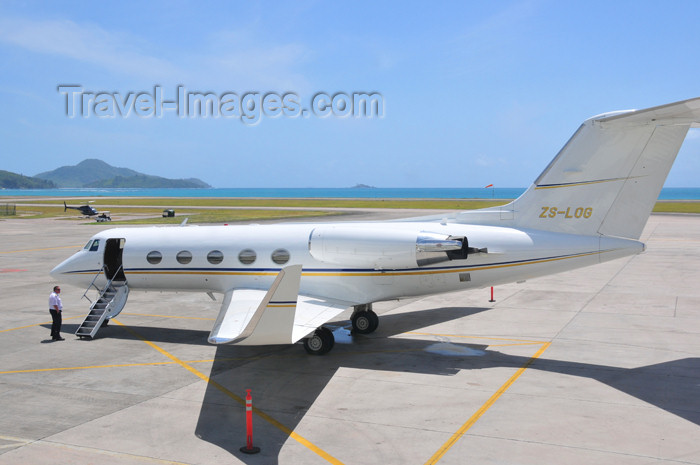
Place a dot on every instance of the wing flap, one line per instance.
(312, 312)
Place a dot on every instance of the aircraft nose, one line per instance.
(62, 268)
(58, 270)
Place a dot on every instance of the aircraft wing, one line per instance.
(312, 312)
(276, 316)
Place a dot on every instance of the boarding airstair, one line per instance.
(111, 300)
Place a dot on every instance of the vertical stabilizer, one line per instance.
(607, 177)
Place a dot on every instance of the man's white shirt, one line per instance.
(55, 299)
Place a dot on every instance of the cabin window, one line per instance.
(154, 257)
(184, 257)
(280, 256)
(247, 256)
(95, 245)
(215, 257)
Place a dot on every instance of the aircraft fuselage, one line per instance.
(385, 262)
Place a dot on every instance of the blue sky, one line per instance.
(474, 92)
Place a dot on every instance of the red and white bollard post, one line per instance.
(491, 295)
(249, 448)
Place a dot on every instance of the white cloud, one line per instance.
(230, 58)
(117, 52)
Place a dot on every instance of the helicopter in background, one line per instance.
(89, 211)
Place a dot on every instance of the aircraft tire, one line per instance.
(365, 322)
(320, 342)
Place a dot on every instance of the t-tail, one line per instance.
(607, 177)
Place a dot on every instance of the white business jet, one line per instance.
(281, 283)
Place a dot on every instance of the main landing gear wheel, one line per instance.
(364, 322)
(320, 342)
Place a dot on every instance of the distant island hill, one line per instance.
(97, 174)
(93, 173)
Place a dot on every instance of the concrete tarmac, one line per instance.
(600, 365)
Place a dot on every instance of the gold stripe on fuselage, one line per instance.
(350, 273)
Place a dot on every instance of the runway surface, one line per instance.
(599, 365)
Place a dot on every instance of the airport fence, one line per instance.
(8, 209)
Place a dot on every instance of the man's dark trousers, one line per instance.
(56, 325)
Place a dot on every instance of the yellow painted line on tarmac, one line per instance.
(169, 316)
(517, 344)
(89, 367)
(121, 365)
(41, 250)
(484, 408)
(301, 440)
(37, 324)
(125, 313)
(20, 442)
(488, 338)
(15, 439)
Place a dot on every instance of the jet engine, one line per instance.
(384, 248)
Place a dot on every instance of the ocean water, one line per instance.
(669, 193)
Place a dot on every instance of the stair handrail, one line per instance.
(92, 284)
(109, 283)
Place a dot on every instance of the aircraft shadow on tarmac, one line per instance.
(286, 382)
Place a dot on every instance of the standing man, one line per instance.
(56, 308)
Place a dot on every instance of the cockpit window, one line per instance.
(87, 246)
(95, 245)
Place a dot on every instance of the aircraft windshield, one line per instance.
(95, 245)
(87, 246)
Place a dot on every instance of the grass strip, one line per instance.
(160, 202)
(688, 206)
(154, 216)
(224, 216)
(668, 206)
